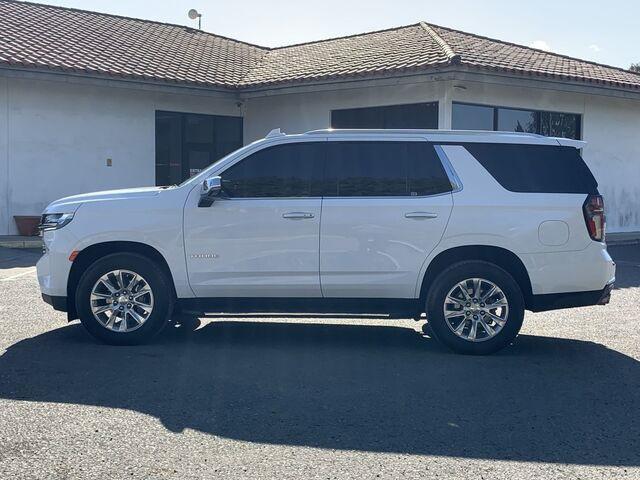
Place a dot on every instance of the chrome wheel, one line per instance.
(121, 301)
(476, 309)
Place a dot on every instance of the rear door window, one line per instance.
(388, 169)
(535, 168)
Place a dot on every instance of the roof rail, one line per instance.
(328, 131)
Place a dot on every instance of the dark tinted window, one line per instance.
(415, 115)
(565, 125)
(472, 117)
(187, 143)
(513, 120)
(481, 117)
(535, 168)
(290, 170)
(360, 169)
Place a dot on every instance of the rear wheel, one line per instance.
(475, 307)
(124, 299)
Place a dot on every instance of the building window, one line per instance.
(472, 117)
(513, 120)
(482, 117)
(414, 115)
(187, 143)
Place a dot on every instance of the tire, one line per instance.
(154, 312)
(479, 341)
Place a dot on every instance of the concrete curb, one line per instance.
(16, 241)
(623, 238)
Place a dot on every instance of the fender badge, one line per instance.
(201, 256)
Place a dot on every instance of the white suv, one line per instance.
(471, 228)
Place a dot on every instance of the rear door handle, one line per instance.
(420, 215)
(295, 215)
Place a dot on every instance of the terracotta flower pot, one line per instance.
(27, 225)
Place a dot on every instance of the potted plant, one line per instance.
(27, 225)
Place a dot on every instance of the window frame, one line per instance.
(224, 168)
(450, 173)
(504, 183)
(538, 116)
(456, 185)
(185, 145)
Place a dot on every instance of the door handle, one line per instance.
(295, 215)
(420, 215)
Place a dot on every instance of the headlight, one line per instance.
(54, 221)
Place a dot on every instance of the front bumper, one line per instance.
(556, 301)
(58, 303)
(54, 266)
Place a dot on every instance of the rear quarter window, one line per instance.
(535, 168)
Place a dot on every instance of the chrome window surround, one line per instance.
(456, 183)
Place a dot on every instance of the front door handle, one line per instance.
(420, 215)
(295, 215)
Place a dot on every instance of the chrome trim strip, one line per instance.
(456, 183)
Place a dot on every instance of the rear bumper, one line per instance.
(560, 272)
(555, 301)
(58, 303)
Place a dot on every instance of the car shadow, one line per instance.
(355, 387)
(19, 257)
(627, 258)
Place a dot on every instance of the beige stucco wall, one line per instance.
(55, 138)
(611, 125)
(301, 112)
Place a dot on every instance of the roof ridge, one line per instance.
(504, 42)
(345, 36)
(136, 19)
(452, 56)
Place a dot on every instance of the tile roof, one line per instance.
(69, 40)
(64, 39)
(482, 52)
(389, 51)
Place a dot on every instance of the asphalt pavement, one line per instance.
(262, 397)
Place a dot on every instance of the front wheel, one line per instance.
(124, 299)
(475, 307)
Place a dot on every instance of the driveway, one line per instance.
(291, 397)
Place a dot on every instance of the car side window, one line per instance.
(392, 168)
(287, 170)
(535, 168)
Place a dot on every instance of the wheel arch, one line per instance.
(499, 256)
(88, 255)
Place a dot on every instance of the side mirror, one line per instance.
(209, 190)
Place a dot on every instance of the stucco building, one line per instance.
(92, 101)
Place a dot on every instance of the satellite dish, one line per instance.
(193, 14)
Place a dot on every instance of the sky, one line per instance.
(605, 32)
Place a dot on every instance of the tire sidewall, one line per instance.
(474, 269)
(158, 282)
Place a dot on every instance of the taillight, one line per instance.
(593, 209)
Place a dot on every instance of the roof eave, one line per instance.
(102, 79)
(540, 80)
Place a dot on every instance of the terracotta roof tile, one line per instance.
(69, 40)
(42, 36)
(394, 50)
(483, 52)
